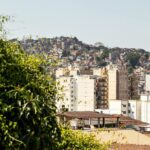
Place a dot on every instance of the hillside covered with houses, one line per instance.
(74, 52)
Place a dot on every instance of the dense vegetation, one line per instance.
(78, 140)
(27, 101)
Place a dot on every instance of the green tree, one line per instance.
(133, 58)
(27, 101)
(100, 61)
(78, 140)
(3, 20)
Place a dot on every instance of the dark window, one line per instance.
(124, 112)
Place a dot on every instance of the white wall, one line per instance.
(67, 93)
(112, 83)
(115, 106)
(85, 93)
(78, 93)
(131, 108)
(134, 109)
(145, 108)
(147, 79)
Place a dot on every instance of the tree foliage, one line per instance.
(27, 101)
(27, 106)
(101, 61)
(3, 20)
(133, 59)
(78, 140)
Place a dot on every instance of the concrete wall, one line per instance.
(78, 93)
(85, 93)
(147, 78)
(112, 83)
(145, 108)
(131, 108)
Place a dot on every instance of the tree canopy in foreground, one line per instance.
(27, 100)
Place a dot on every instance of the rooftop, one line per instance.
(86, 115)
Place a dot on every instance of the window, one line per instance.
(123, 105)
(124, 112)
(65, 80)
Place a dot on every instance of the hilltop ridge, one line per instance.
(73, 50)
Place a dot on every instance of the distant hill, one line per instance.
(93, 55)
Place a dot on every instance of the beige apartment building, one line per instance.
(112, 82)
(85, 93)
(118, 87)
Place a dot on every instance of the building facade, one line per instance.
(78, 93)
(112, 82)
(131, 108)
(145, 108)
(147, 82)
(122, 81)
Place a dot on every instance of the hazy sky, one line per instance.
(123, 23)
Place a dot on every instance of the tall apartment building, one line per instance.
(118, 87)
(102, 92)
(66, 93)
(78, 93)
(112, 82)
(147, 82)
(141, 75)
(133, 87)
(122, 81)
(85, 93)
(101, 75)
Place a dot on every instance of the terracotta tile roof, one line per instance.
(128, 121)
(125, 120)
(86, 115)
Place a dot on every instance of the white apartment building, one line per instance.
(78, 93)
(145, 108)
(147, 82)
(136, 109)
(131, 108)
(85, 93)
(66, 92)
